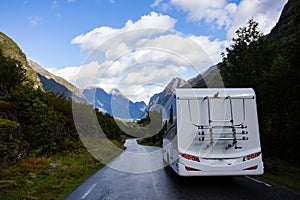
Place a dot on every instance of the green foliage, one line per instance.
(248, 57)
(45, 118)
(109, 126)
(11, 49)
(253, 61)
(45, 127)
(12, 74)
(247, 35)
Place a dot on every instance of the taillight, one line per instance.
(252, 168)
(191, 169)
(251, 156)
(189, 157)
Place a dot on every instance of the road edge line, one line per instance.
(88, 192)
(258, 181)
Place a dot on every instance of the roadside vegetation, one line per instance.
(272, 69)
(41, 154)
(255, 61)
(282, 173)
(42, 157)
(47, 177)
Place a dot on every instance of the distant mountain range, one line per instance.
(113, 103)
(117, 105)
(162, 97)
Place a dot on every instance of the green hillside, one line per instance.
(270, 65)
(10, 49)
(37, 129)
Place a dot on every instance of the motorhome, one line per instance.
(212, 132)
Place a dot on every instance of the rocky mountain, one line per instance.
(114, 103)
(162, 97)
(210, 78)
(55, 84)
(37, 74)
(286, 33)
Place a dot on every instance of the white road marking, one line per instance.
(258, 181)
(87, 192)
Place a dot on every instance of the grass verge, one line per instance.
(282, 173)
(51, 177)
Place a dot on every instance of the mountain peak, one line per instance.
(115, 103)
(175, 83)
(116, 91)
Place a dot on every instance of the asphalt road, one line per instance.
(109, 183)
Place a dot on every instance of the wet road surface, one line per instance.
(109, 183)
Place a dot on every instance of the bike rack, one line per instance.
(210, 129)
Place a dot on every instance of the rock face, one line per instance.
(210, 78)
(12, 148)
(55, 84)
(286, 33)
(162, 97)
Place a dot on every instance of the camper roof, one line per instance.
(198, 93)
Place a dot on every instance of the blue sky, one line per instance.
(60, 34)
(44, 29)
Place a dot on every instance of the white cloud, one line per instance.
(141, 57)
(156, 3)
(81, 76)
(213, 48)
(93, 39)
(265, 12)
(199, 10)
(159, 3)
(35, 20)
(183, 49)
(231, 16)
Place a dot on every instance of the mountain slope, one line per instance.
(55, 84)
(40, 77)
(162, 97)
(286, 33)
(10, 49)
(114, 103)
(211, 78)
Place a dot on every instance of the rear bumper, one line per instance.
(253, 167)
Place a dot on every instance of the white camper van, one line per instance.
(212, 132)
